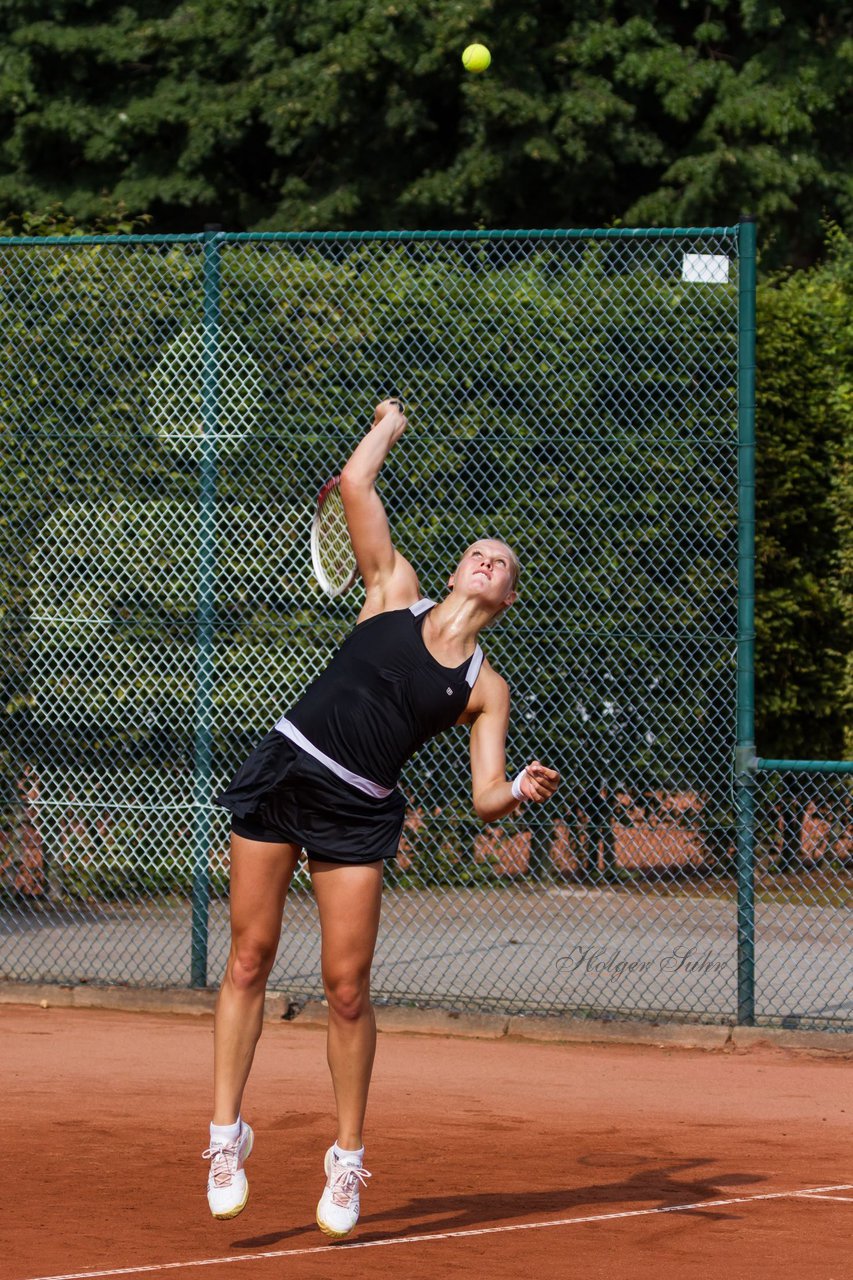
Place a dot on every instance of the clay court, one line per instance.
(497, 1158)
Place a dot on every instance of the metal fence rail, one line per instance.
(169, 407)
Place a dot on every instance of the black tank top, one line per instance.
(383, 695)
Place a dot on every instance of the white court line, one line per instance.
(813, 1195)
(442, 1235)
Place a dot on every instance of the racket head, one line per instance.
(332, 555)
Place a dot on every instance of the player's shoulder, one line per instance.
(492, 688)
(400, 591)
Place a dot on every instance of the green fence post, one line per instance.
(745, 746)
(205, 608)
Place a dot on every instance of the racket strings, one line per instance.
(334, 549)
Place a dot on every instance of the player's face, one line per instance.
(486, 570)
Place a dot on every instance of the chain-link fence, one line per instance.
(169, 407)
(802, 892)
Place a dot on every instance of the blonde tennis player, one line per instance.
(324, 779)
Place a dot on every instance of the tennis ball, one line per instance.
(476, 57)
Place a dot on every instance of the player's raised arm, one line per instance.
(389, 579)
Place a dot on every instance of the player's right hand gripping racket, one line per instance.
(332, 555)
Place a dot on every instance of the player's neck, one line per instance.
(460, 620)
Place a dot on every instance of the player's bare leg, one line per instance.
(260, 877)
(349, 901)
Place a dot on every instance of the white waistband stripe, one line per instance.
(355, 780)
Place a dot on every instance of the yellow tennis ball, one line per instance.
(476, 57)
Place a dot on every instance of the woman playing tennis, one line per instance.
(325, 779)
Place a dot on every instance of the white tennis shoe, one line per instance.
(227, 1188)
(337, 1212)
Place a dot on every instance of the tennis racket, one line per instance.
(331, 550)
(332, 555)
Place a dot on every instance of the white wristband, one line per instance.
(516, 785)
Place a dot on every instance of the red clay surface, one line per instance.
(106, 1118)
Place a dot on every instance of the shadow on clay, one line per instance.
(652, 1187)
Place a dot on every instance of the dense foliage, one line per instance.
(357, 114)
(804, 504)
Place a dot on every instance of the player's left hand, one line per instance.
(539, 782)
(385, 407)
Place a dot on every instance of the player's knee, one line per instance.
(348, 997)
(251, 963)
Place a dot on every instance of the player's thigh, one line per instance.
(349, 902)
(260, 877)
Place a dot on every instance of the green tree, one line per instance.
(839, 354)
(357, 113)
(805, 424)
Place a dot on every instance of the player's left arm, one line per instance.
(492, 791)
(390, 582)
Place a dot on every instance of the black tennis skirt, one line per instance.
(283, 795)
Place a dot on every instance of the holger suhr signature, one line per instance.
(610, 962)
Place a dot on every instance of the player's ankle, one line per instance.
(225, 1132)
(348, 1153)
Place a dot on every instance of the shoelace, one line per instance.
(224, 1166)
(344, 1183)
